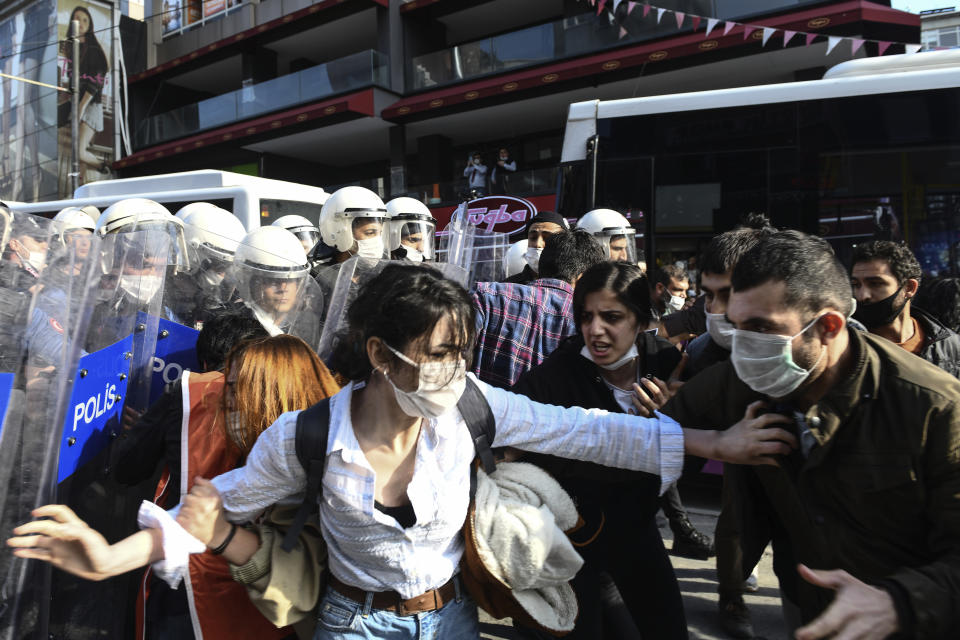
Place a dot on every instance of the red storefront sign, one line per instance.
(500, 214)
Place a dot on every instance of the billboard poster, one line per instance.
(28, 144)
(172, 17)
(213, 7)
(96, 126)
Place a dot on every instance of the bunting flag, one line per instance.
(832, 42)
(711, 25)
(748, 30)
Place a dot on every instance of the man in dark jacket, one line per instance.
(871, 498)
(885, 277)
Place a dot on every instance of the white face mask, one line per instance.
(439, 388)
(765, 362)
(613, 366)
(675, 303)
(532, 257)
(413, 255)
(36, 259)
(142, 288)
(370, 248)
(210, 279)
(720, 330)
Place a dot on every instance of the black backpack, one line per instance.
(313, 429)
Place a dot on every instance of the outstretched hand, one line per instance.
(858, 612)
(756, 439)
(201, 513)
(65, 541)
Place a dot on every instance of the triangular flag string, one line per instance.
(767, 32)
(711, 25)
(748, 30)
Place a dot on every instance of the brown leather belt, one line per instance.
(392, 601)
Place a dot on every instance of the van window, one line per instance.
(270, 210)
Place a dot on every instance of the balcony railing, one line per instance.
(364, 69)
(529, 182)
(566, 38)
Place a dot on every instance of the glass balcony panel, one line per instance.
(523, 48)
(364, 69)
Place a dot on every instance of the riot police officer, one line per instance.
(307, 233)
(614, 231)
(410, 231)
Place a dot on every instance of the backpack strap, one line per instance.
(313, 430)
(483, 428)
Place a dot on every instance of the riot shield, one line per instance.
(352, 276)
(478, 252)
(41, 343)
(280, 293)
(110, 388)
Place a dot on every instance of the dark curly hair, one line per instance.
(903, 264)
(401, 305)
(940, 297)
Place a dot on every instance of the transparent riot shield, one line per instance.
(279, 292)
(478, 252)
(41, 335)
(110, 389)
(352, 276)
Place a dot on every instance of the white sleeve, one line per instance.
(271, 473)
(510, 166)
(653, 445)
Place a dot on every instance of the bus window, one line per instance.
(270, 210)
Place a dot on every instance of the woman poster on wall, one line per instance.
(95, 129)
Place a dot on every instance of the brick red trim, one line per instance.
(360, 104)
(241, 36)
(416, 4)
(810, 21)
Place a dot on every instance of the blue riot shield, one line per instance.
(176, 351)
(6, 389)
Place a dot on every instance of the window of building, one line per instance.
(942, 37)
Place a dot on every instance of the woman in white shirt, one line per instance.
(396, 483)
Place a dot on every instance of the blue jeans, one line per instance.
(341, 618)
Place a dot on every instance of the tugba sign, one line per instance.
(500, 214)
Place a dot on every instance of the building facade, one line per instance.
(398, 96)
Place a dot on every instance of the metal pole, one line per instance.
(75, 108)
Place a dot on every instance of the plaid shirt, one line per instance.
(518, 326)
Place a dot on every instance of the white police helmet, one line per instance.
(213, 233)
(513, 260)
(307, 233)
(411, 227)
(270, 257)
(342, 210)
(614, 231)
(193, 207)
(138, 214)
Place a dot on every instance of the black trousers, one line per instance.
(628, 552)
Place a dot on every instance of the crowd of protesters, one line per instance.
(356, 496)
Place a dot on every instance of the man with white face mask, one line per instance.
(540, 227)
(670, 286)
(25, 253)
(871, 498)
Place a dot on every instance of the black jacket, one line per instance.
(526, 276)
(941, 345)
(567, 379)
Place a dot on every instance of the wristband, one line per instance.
(223, 545)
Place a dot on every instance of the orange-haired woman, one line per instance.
(223, 414)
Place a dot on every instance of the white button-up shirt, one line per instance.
(370, 550)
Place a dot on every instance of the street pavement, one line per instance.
(698, 582)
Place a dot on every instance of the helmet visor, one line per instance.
(621, 244)
(411, 237)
